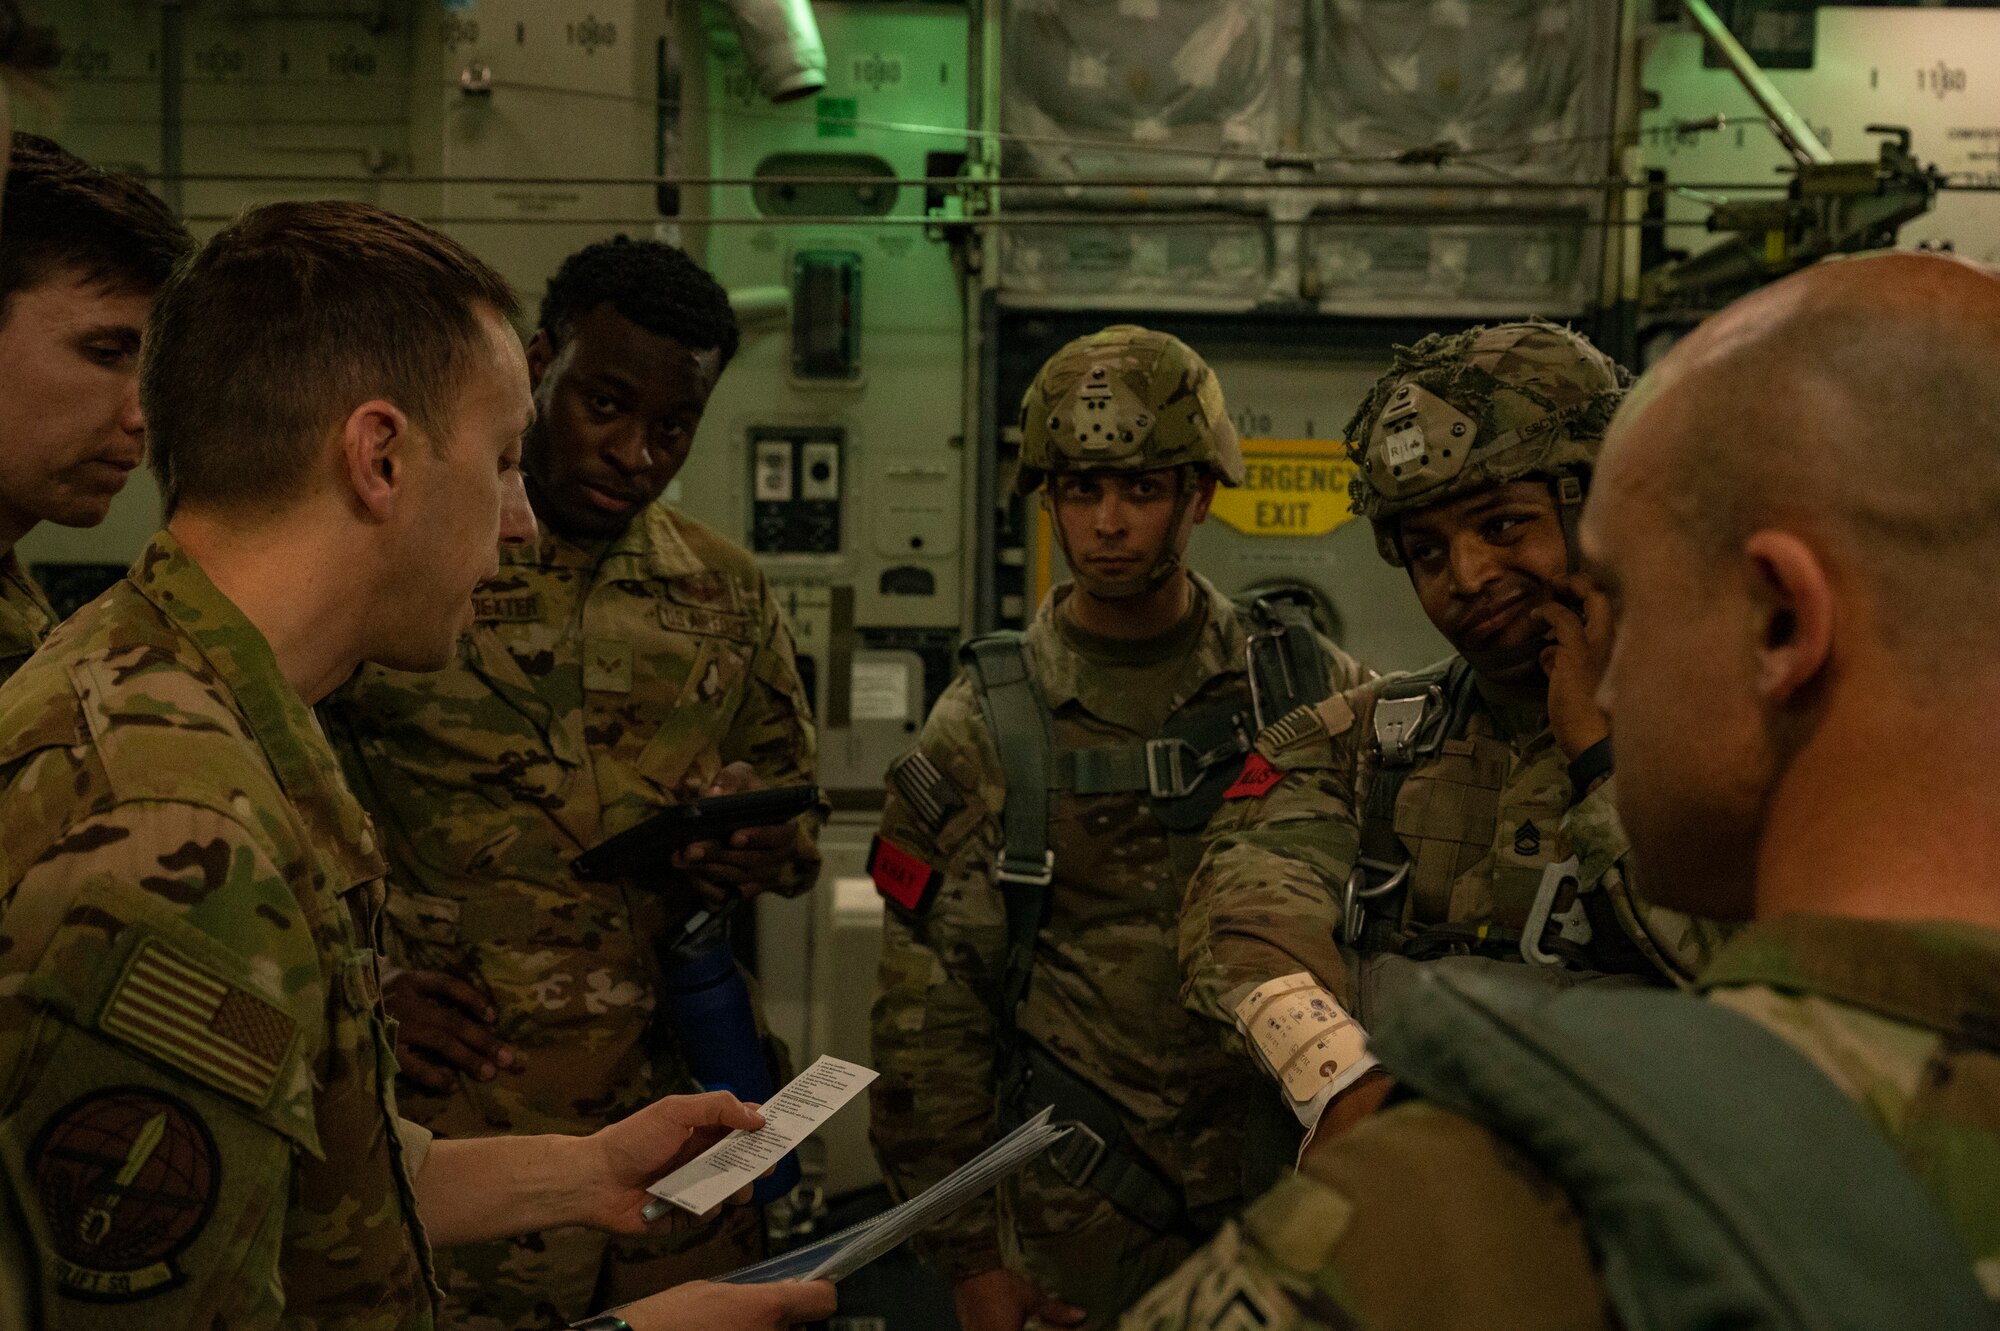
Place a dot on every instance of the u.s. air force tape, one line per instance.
(1307, 1040)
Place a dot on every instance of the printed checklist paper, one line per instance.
(843, 1254)
(790, 1116)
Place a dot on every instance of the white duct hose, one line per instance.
(756, 306)
(782, 43)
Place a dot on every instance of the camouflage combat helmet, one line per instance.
(1128, 399)
(1461, 412)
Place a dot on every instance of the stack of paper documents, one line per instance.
(851, 1249)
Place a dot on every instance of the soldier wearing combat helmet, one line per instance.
(1035, 845)
(1129, 399)
(1460, 815)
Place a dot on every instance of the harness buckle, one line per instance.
(1076, 1157)
(1569, 925)
(1167, 777)
(1041, 877)
(1354, 898)
(1398, 722)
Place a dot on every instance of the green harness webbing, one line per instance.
(1181, 773)
(1098, 1152)
(1414, 715)
(1725, 1182)
(1019, 722)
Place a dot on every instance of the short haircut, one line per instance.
(1860, 399)
(64, 215)
(284, 323)
(655, 285)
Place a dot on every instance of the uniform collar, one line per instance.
(1521, 723)
(665, 543)
(283, 726)
(25, 614)
(1066, 678)
(653, 536)
(1936, 974)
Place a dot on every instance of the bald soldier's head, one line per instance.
(1798, 516)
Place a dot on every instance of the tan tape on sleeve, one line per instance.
(416, 1143)
(1304, 1036)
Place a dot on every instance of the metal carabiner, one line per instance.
(1355, 896)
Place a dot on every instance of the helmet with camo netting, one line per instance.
(1126, 399)
(1462, 412)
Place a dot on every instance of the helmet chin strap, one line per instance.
(1569, 493)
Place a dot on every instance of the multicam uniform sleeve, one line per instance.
(1680, 945)
(1416, 1220)
(944, 936)
(155, 1055)
(1265, 900)
(773, 732)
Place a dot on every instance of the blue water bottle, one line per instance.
(708, 1005)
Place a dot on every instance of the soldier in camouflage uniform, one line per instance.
(1137, 674)
(629, 660)
(85, 252)
(1794, 519)
(1461, 813)
(198, 1122)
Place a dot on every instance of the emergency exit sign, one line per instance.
(1291, 487)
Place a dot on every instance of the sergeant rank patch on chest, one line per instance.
(607, 665)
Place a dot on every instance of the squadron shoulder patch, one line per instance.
(900, 876)
(175, 1009)
(126, 1177)
(934, 797)
(1257, 778)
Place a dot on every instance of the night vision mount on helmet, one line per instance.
(1128, 399)
(1462, 412)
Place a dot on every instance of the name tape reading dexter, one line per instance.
(790, 1116)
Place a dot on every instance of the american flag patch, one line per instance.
(931, 794)
(1290, 728)
(178, 1011)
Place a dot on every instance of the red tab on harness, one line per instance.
(901, 876)
(1257, 778)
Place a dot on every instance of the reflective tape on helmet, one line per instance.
(1305, 1037)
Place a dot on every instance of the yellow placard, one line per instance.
(1291, 487)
